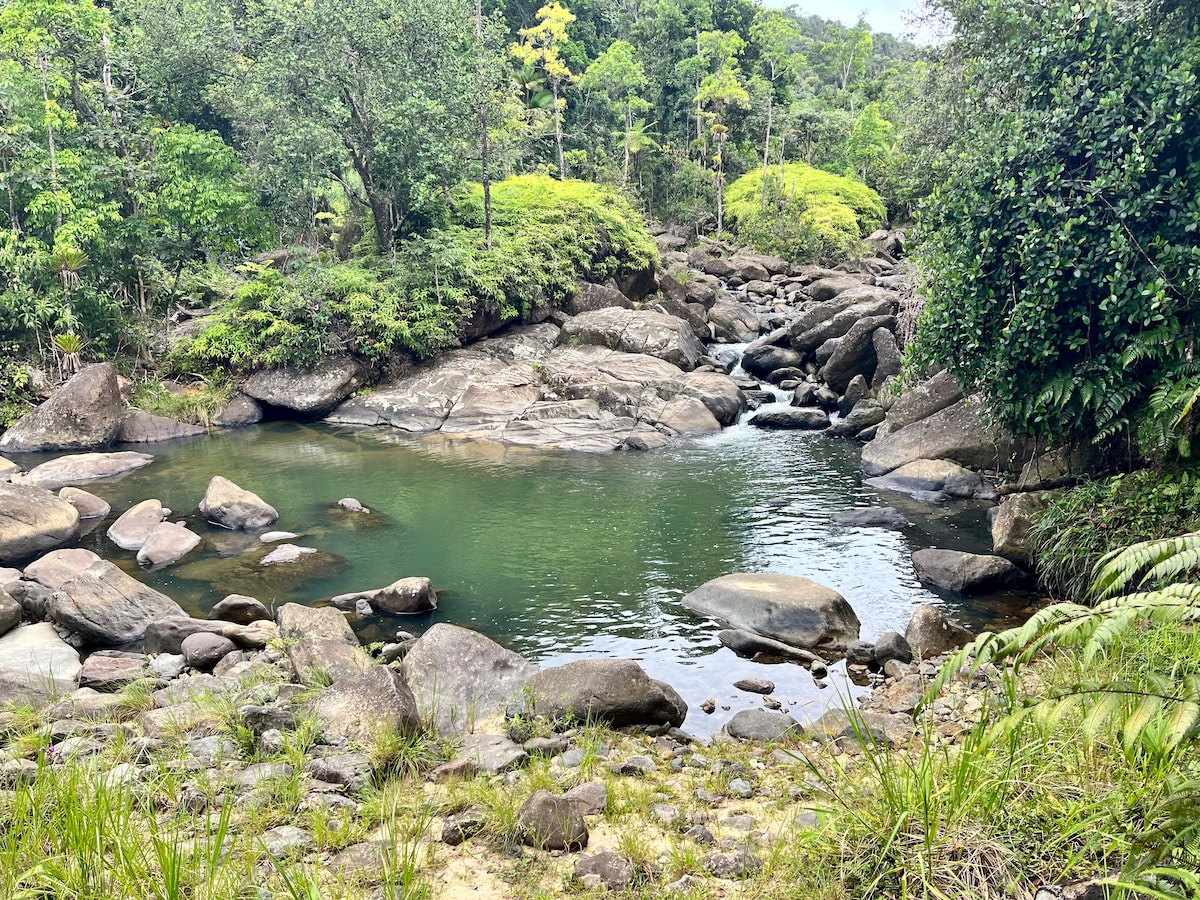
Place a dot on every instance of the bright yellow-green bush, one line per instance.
(808, 214)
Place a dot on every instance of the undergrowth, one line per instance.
(1082, 524)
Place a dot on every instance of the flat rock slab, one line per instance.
(109, 608)
(955, 433)
(82, 414)
(58, 567)
(796, 419)
(636, 331)
(792, 610)
(85, 468)
(32, 522)
(35, 661)
(134, 525)
(461, 677)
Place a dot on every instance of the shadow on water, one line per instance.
(561, 557)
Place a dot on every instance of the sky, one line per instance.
(883, 15)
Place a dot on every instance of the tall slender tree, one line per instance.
(541, 45)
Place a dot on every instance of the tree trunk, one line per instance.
(628, 129)
(558, 135)
(485, 172)
(767, 147)
(58, 216)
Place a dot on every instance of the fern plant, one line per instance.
(1155, 713)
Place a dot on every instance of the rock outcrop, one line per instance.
(83, 414)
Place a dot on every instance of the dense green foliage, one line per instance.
(1061, 250)
(805, 213)
(1080, 525)
(547, 235)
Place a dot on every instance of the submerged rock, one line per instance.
(84, 468)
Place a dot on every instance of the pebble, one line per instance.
(740, 788)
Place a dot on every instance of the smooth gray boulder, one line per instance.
(636, 331)
(232, 507)
(930, 633)
(312, 391)
(764, 359)
(617, 692)
(685, 415)
(58, 567)
(203, 650)
(167, 635)
(491, 753)
(925, 475)
(864, 727)
(168, 542)
(825, 289)
(967, 573)
(802, 418)
(405, 596)
(89, 505)
(109, 608)
(591, 297)
(547, 822)
(320, 643)
(613, 871)
(240, 609)
(956, 433)
(761, 725)
(239, 412)
(36, 664)
(362, 705)
(840, 322)
(719, 393)
(1010, 528)
(134, 525)
(84, 468)
(83, 414)
(460, 677)
(139, 427)
(795, 611)
(32, 522)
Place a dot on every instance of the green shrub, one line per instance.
(1081, 525)
(547, 235)
(17, 395)
(808, 214)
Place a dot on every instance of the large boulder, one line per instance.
(636, 331)
(831, 320)
(824, 289)
(36, 664)
(1010, 528)
(795, 611)
(855, 353)
(719, 393)
(405, 596)
(956, 433)
(89, 505)
(888, 359)
(929, 397)
(82, 414)
(32, 522)
(109, 608)
(763, 359)
(803, 418)
(11, 612)
(617, 692)
(232, 507)
(591, 297)
(83, 468)
(321, 646)
(461, 678)
(310, 391)
(966, 573)
(930, 633)
(940, 475)
(140, 427)
(362, 705)
(134, 525)
(239, 412)
(732, 321)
